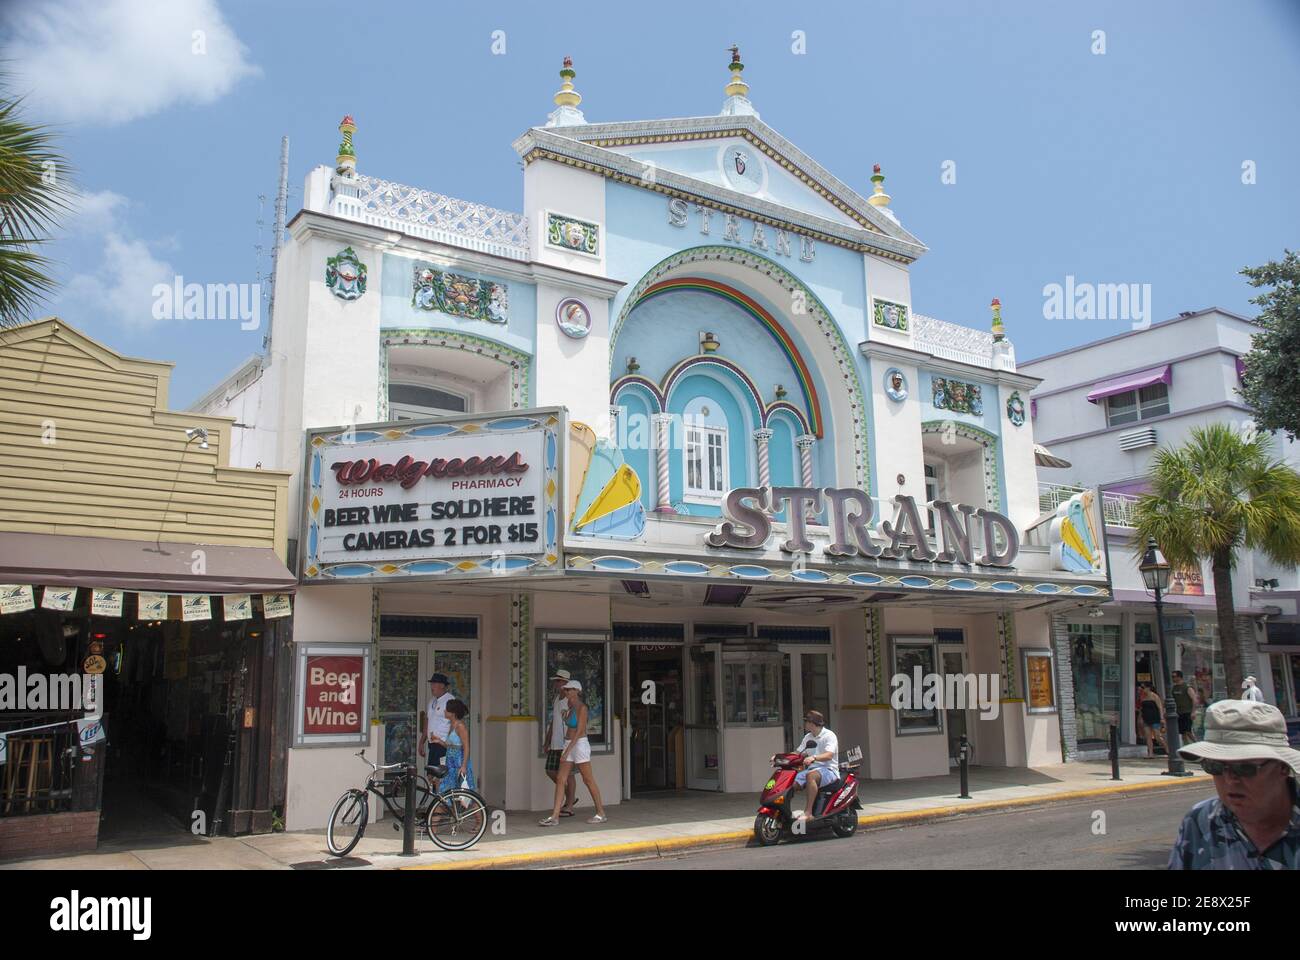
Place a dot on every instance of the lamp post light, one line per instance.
(1155, 574)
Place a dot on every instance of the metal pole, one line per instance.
(1114, 752)
(408, 814)
(964, 767)
(1173, 739)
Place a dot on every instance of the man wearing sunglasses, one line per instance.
(1254, 822)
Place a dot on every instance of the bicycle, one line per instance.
(455, 820)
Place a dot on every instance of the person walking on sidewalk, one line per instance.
(1184, 704)
(576, 753)
(460, 771)
(555, 737)
(1153, 716)
(1254, 822)
(434, 725)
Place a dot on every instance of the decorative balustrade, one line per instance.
(955, 342)
(1116, 508)
(432, 216)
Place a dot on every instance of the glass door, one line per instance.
(956, 721)
(806, 684)
(402, 695)
(704, 720)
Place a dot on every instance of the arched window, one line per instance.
(706, 454)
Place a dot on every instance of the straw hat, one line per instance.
(1244, 730)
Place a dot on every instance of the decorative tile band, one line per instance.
(1007, 650)
(616, 564)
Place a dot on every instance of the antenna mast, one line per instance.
(281, 205)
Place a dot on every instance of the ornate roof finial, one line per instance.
(878, 197)
(737, 89)
(346, 163)
(566, 99)
(999, 334)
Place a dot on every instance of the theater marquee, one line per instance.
(458, 497)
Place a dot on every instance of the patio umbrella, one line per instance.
(1045, 458)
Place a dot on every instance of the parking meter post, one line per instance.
(1114, 752)
(408, 814)
(964, 765)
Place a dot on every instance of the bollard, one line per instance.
(964, 765)
(1114, 752)
(408, 814)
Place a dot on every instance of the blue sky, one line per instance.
(1119, 167)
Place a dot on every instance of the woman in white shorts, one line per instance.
(577, 752)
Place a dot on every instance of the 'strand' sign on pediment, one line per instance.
(740, 230)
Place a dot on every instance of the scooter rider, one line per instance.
(821, 765)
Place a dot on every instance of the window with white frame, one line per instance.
(705, 463)
(1135, 405)
(935, 489)
(411, 401)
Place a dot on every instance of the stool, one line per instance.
(30, 773)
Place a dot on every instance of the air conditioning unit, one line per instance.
(1138, 438)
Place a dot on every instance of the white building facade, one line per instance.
(1107, 407)
(715, 465)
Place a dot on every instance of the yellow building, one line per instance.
(131, 552)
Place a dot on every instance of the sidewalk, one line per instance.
(653, 825)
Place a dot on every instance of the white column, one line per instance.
(805, 443)
(663, 432)
(761, 439)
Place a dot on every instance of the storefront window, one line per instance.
(1197, 653)
(752, 688)
(1095, 666)
(587, 660)
(910, 655)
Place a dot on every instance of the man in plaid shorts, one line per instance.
(555, 741)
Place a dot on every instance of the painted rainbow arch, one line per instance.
(765, 319)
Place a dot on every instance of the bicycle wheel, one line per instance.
(347, 823)
(457, 819)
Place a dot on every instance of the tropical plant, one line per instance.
(1271, 381)
(33, 195)
(1222, 492)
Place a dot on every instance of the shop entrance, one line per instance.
(405, 667)
(806, 685)
(656, 713)
(704, 722)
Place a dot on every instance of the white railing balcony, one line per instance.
(431, 216)
(1117, 509)
(962, 344)
(1052, 495)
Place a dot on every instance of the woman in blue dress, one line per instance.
(459, 767)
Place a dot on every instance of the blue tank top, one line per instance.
(572, 720)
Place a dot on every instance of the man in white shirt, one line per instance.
(821, 763)
(554, 737)
(435, 726)
(1250, 690)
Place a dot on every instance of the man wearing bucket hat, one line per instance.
(1254, 822)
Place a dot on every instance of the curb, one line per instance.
(740, 838)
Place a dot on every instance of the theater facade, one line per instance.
(674, 427)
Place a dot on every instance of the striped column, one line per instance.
(663, 431)
(805, 443)
(761, 439)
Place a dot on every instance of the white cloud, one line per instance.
(110, 61)
(121, 289)
(119, 286)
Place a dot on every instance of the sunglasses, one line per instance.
(1217, 768)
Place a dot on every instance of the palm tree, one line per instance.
(1221, 492)
(33, 193)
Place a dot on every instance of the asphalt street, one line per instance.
(1120, 832)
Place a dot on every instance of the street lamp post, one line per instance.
(1155, 573)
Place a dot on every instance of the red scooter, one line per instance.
(836, 805)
